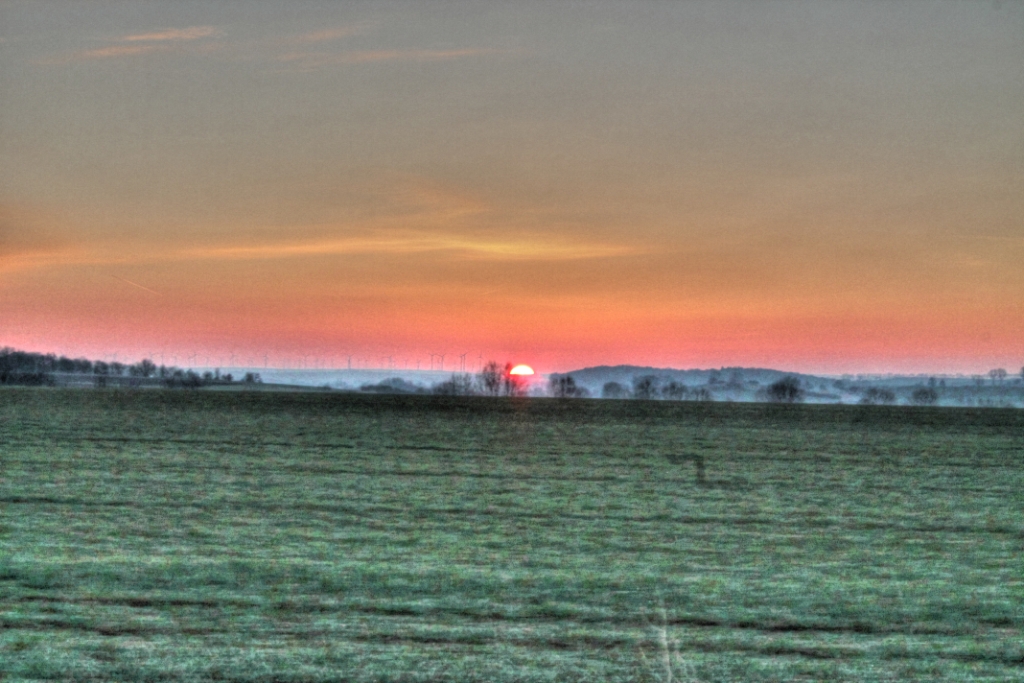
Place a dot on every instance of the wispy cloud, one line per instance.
(313, 60)
(536, 248)
(524, 248)
(190, 33)
(329, 34)
(120, 51)
(143, 43)
(417, 217)
(31, 239)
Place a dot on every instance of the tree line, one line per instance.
(25, 368)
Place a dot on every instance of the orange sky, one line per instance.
(827, 187)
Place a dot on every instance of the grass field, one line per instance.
(164, 536)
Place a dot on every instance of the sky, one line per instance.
(826, 187)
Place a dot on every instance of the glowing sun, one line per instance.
(521, 370)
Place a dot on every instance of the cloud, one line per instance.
(523, 248)
(191, 33)
(414, 216)
(120, 51)
(140, 44)
(328, 34)
(312, 60)
(30, 239)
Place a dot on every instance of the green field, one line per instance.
(233, 536)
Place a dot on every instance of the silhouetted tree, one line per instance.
(786, 390)
(565, 386)
(497, 381)
(144, 368)
(490, 379)
(645, 388)
(876, 396)
(997, 375)
(674, 391)
(512, 385)
(457, 385)
(393, 385)
(924, 396)
(614, 390)
(701, 394)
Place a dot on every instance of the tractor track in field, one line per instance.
(371, 511)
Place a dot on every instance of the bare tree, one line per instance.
(457, 385)
(564, 386)
(144, 368)
(674, 391)
(997, 375)
(645, 388)
(614, 390)
(876, 396)
(786, 390)
(512, 385)
(497, 381)
(925, 396)
(490, 379)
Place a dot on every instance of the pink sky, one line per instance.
(823, 187)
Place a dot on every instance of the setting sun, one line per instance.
(521, 370)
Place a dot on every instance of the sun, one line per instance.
(521, 370)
